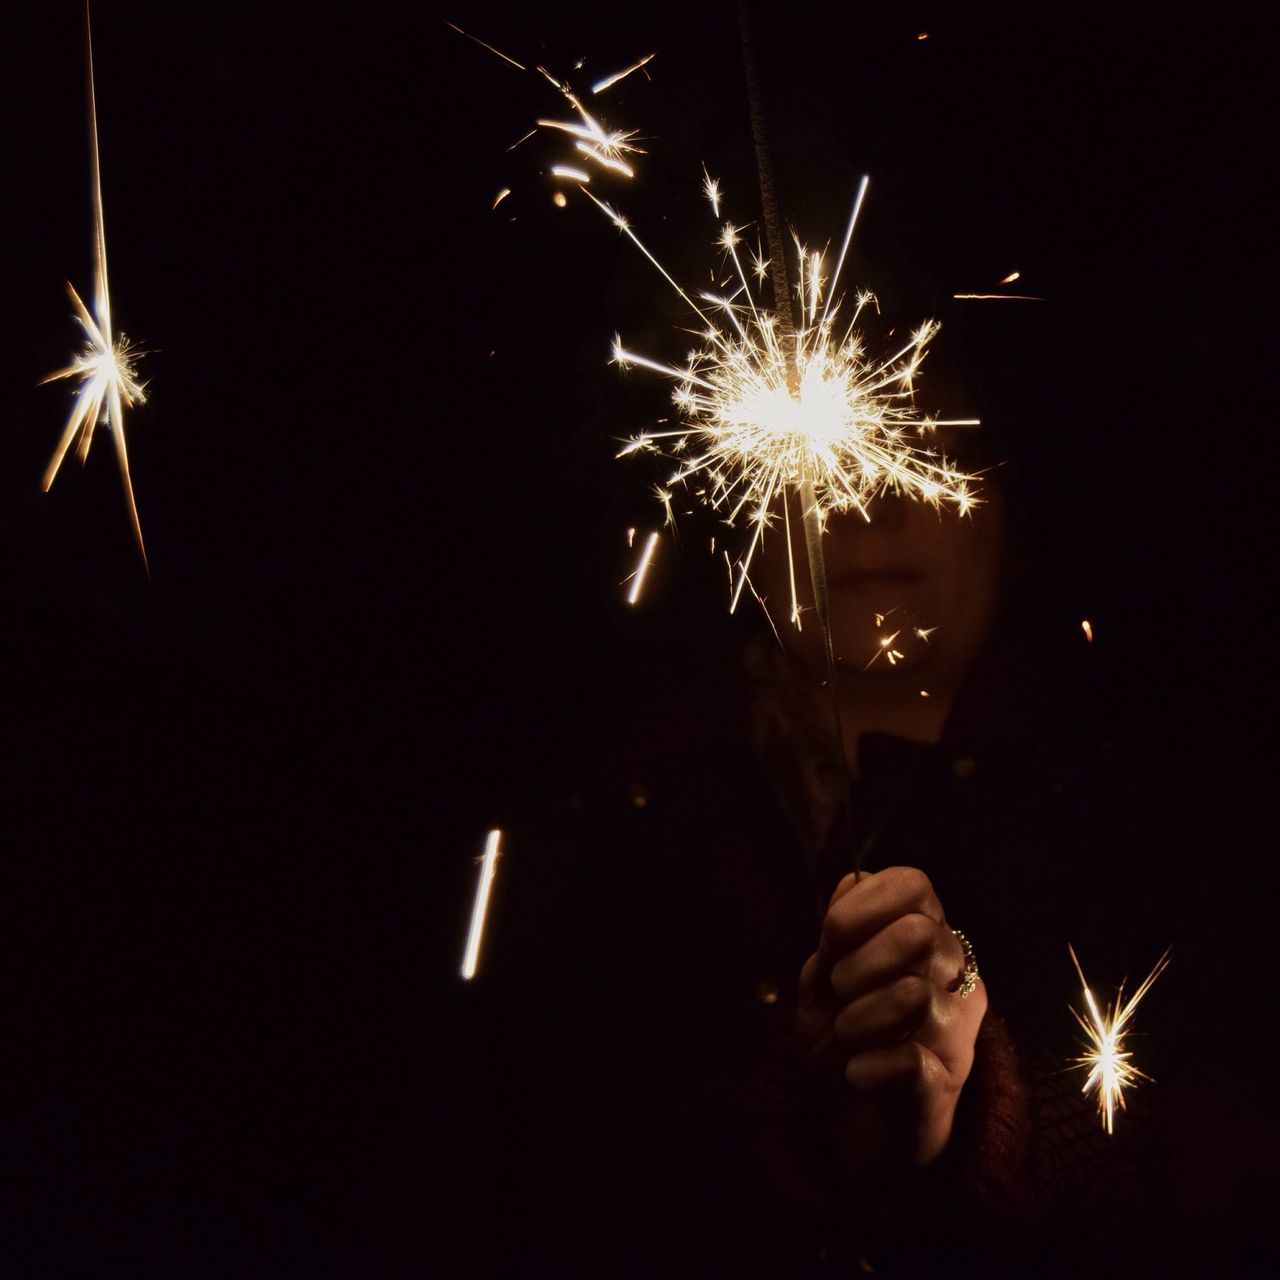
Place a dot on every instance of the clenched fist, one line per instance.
(882, 993)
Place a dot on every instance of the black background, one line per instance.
(387, 534)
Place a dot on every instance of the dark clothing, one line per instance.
(652, 1112)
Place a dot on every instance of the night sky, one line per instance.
(375, 474)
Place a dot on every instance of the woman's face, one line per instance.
(913, 591)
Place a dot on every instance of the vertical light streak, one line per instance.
(642, 568)
(480, 907)
(105, 367)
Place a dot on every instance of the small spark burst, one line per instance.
(480, 907)
(593, 141)
(105, 368)
(1108, 1062)
(766, 409)
(642, 568)
(891, 645)
(1087, 627)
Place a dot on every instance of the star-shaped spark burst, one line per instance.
(1106, 1059)
(105, 367)
(593, 141)
(767, 407)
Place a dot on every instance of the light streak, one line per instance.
(609, 81)
(1087, 627)
(642, 568)
(105, 367)
(765, 410)
(518, 65)
(1011, 277)
(480, 907)
(993, 297)
(1106, 1059)
(500, 197)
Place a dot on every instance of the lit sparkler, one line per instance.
(768, 409)
(1106, 1059)
(480, 907)
(105, 367)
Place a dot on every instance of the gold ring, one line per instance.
(968, 980)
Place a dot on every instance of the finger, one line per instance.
(815, 1009)
(846, 883)
(905, 1069)
(911, 944)
(873, 902)
(887, 1016)
(813, 980)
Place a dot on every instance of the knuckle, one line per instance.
(846, 883)
(911, 881)
(911, 996)
(916, 933)
(843, 976)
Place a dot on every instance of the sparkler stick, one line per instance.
(810, 514)
(480, 907)
(105, 367)
(775, 401)
(1106, 1059)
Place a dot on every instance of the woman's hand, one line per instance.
(882, 993)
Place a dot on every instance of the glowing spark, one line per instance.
(1108, 1062)
(567, 171)
(599, 144)
(711, 189)
(518, 66)
(1087, 627)
(500, 197)
(480, 907)
(105, 367)
(765, 411)
(637, 578)
(886, 646)
(559, 200)
(609, 81)
(1011, 277)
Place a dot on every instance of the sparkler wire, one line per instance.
(784, 307)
